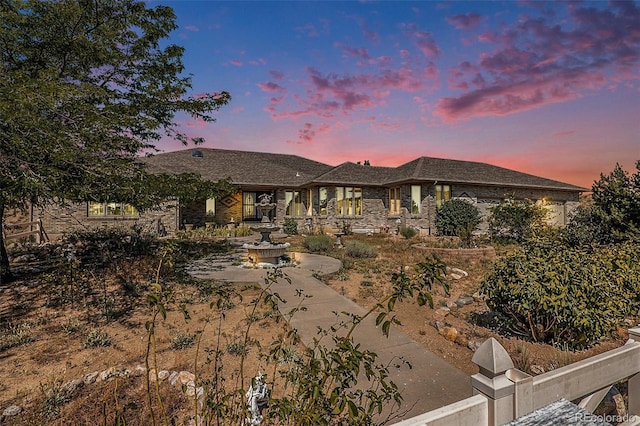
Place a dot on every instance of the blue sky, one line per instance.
(547, 88)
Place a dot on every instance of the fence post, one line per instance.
(491, 381)
(633, 384)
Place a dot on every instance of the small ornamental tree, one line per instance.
(515, 220)
(457, 217)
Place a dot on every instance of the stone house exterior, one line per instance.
(320, 197)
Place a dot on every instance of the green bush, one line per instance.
(290, 226)
(318, 243)
(359, 249)
(457, 218)
(551, 293)
(97, 339)
(515, 220)
(407, 232)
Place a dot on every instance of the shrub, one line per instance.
(515, 220)
(97, 338)
(359, 249)
(556, 294)
(182, 340)
(290, 226)
(407, 232)
(318, 243)
(586, 228)
(457, 218)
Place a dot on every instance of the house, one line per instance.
(319, 196)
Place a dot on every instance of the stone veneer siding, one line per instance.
(57, 220)
(375, 207)
(375, 210)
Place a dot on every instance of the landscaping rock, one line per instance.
(173, 378)
(185, 377)
(473, 345)
(478, 297)
(463, 301)
(71, 387)
(449, 333)
(11, 411)
(438, 325)
(139, 370)
(163, 374)
(90, 378)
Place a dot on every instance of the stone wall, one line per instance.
(57, 220)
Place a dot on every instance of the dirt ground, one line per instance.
(52, 337)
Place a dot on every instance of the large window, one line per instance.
(293, 201)
(443, 193)
(416, 199)
(111, 210)
(394, 201)
(322, 200)
(348, 201)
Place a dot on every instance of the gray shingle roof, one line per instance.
(261, 169)
(471, 172)
(242, 167)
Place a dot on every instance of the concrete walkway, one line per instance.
(430, 383)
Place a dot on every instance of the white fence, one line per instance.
(503, 393)
(35, 228)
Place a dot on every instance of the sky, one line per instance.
(547, 88)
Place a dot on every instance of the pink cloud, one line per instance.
(536, 62)
(235, 62)
(238, 109)
(271, 87)
(309, 131)
(276, 75)
(423, 40)
(196, 123)
(356, 52)
(465, 21)
(192, 28)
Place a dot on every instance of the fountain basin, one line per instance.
(264, 252)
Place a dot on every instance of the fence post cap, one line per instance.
(492, 358)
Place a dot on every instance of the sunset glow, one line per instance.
(546, 88)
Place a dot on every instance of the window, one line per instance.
(96, 209)
(348, 201)
(249, 205)
(394, 200)
(416, 199)
(210, 207)
(443, 193)
(293, 202)
(322, 200)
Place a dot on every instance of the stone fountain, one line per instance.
(265, 252)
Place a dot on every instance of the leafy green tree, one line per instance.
(616, 198)
(515, 220)
(456, 217)
(87, 85)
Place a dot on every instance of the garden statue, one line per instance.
(257, 398)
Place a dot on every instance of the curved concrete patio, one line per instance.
(430, 383)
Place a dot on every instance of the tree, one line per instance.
(616, 198)
(515, 220)
(86, 86)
